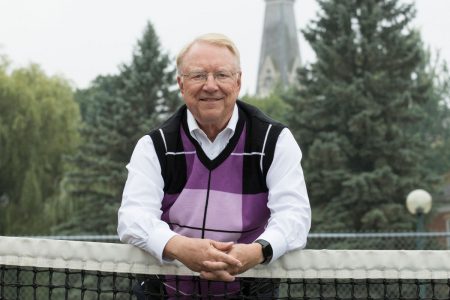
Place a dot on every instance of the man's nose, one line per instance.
(210, 83)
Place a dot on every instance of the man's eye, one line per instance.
(198, 76)
(222, 75)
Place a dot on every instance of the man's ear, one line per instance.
(180, 84)
(239, 80)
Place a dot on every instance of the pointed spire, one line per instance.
(280, 52)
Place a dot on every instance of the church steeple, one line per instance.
(280, 52)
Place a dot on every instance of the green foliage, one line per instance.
(273, 105)
(117, 111)
(38, 127)
(356, 112)
(435, 130)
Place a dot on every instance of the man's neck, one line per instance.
(212, 130)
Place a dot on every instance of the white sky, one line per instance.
(81, 39)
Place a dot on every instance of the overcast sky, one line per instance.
(81, 39)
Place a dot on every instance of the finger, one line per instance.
(233, 271)
(217, 275)
(226, 258)
(215, 265)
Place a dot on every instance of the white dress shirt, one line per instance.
(140, 221)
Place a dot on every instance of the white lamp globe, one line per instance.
(418, 201)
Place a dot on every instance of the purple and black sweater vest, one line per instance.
(224, 199)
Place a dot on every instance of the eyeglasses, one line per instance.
(202, 77)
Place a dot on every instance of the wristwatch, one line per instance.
(266, 250)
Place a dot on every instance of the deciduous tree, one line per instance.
(38, 127)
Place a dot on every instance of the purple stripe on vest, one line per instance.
(225, 178)
(224, 213)
(188, 210)
(197, 175)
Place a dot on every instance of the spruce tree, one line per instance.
(435, 130)
(355, 114)
(117, 111)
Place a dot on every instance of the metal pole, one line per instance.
(420, 229)
(420, 245)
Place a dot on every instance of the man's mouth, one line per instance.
(210, 99)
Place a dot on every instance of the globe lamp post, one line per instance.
(418, 203)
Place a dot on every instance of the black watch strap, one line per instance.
(266, 250)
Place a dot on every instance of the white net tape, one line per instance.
(109, 257)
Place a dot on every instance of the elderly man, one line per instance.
(218, 186)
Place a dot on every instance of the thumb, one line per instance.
(222, 246)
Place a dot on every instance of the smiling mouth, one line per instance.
(210, 99)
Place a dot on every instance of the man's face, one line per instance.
(211, 102)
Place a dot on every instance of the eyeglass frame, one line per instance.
(205, 76)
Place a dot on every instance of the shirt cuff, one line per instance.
(157, 241)
(277, 242)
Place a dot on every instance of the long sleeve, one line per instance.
(290, 218)
(139, 217)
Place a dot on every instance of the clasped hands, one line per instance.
(212, 259)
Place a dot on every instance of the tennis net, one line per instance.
(50, 269)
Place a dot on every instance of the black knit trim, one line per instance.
(270, 148)
(160, 149)
(173, 167)
(254, 179)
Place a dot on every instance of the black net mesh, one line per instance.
(46, 283)
(27, 283)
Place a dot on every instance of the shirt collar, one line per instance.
(193, 125)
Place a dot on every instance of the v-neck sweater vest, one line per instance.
(223, 199)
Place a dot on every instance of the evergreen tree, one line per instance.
(435, 130)
(38, 127)
(355, 112)
(117, 111)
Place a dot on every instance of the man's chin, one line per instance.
(211, 105)
(211, 117)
